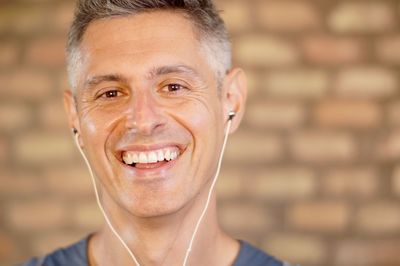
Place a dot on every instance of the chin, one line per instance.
(153, 206)
(156, 211)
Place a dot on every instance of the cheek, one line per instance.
(96, 126)
(200, 118)
(203, 110)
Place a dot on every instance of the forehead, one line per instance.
(138, 27)
(139, 42)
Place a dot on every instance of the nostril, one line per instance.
(146, 127)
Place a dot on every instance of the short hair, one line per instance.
(209, 28)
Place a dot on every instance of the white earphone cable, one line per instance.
(101, 207)
(228, 127)
(189, 249)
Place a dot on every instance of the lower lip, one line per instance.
(150, 165)
(150, 171)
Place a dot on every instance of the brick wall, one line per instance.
(313, 175)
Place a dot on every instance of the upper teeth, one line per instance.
(154, 156)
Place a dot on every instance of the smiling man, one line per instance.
(153, 98)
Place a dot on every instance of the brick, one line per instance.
(258, 218)
(9, 51)
(348, 114)
(46, 52)
(61, 16)
(40, 148)
(297, 248)
(388, 146)
(23, 19)
(25, 84)
(53, 116)
(301, 84)
(230, 183)
(320, 216)
(72, 182)
(314, 146)
(396, 180)
(394, 113)
(354, 182)
(19, 184)
(368, 253)
(288, 16)
(255, 83)
(37, 1)
(387, 49)
(253, 147)
(36, 215)
(235, 14)
(4, 150)
(352, 82)
(87, 215)
(259, 50)
(275, 114)
(8, 246)
(14, 116)
(379, 218)
(282, 184)
(361, 17)
(333, 50)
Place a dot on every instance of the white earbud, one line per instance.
(231, 115)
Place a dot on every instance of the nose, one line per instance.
(144, 115)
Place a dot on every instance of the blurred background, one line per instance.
(312, 176)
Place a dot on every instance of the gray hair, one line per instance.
(208, 25)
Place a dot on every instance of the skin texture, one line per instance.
(145, 84)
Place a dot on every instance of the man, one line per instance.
(153, 97)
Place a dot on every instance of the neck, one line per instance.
(164, 240)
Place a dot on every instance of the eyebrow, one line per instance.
(155, 72)
(93, 81)
(173, 69)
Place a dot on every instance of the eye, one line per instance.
(110, 94)
(173, 88)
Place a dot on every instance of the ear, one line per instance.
(72, 113)
(234, 95)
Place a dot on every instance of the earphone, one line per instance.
(231, 115)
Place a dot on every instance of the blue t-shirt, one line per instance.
(76, 255)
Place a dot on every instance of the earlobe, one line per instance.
(235, 94)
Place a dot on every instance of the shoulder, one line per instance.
(74, 254)
(250, 255)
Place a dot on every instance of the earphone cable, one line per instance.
(100, 205)
(228, 128)
(189, 249)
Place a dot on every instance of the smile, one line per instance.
(150, 158)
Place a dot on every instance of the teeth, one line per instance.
(143, 158)
(173, 155)
(167, 155)
(135, 158)
(128, 159)
(151, 156)
(160, 156)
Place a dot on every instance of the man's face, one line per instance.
(148, 111)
